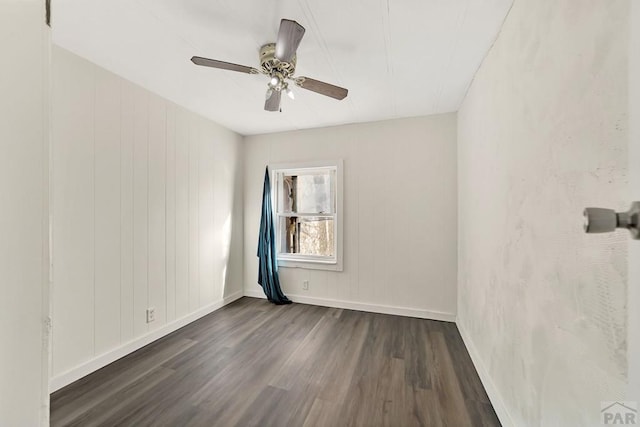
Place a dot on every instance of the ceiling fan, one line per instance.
(278, 61)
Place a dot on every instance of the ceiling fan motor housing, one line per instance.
(271, 65)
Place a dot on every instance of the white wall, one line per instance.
(24, 242)
(147, 212)
(634, 194)
(542, 134)
(399, 214)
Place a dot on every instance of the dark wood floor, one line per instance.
(255, 364)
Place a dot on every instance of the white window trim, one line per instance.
(309, 261)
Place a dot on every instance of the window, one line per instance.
(308, 214)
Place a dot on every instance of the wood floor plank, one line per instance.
(278, 407)
(336, 374)
(110, 411)
(169, 401)
(416, 355)
(393, 394)
(71, 403)
(363, 405)
(447, 387)
(255, 364)
(423, 409)
(322, 414)
(299, 362)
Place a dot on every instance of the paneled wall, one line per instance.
(147, 213)
(400, 210)
(542, 134)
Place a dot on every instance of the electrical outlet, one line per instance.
(151, 314)
(305, 285)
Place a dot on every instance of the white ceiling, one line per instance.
(398, 58)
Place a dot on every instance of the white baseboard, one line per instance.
(492, 391)
(372, 308)
(74, 374)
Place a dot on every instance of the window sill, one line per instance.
(317, 265)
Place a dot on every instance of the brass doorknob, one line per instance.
(600, 220)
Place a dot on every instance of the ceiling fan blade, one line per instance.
(322, 88)
(289, 37)
(206, 62)
(273, 102)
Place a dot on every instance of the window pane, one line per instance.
(309, 192)
(306, 236)
(286, 192)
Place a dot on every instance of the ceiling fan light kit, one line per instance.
(278, 61)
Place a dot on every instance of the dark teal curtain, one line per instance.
(268, 269)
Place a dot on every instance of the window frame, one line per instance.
(313, 262)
